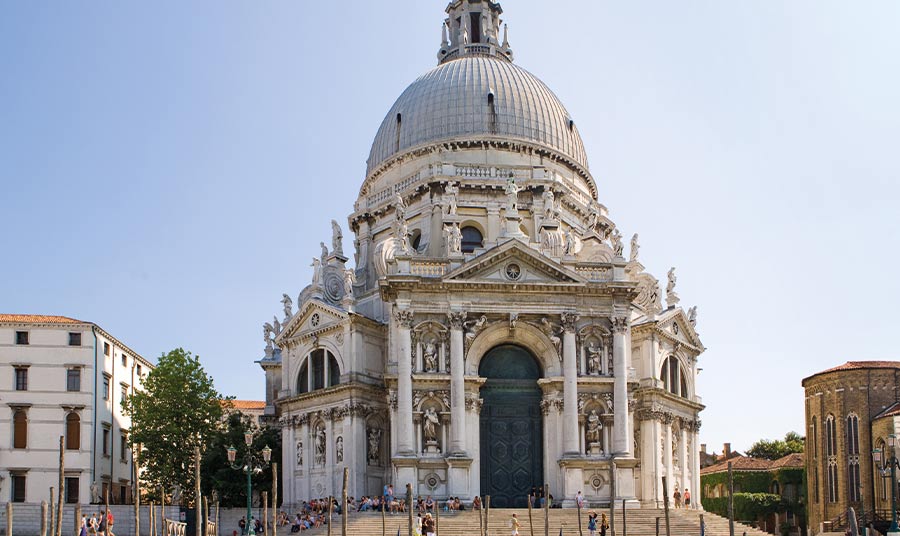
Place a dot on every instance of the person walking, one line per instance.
(84, 528)
(604, 525)
(514, 525)
(592, 523)
(677, 497)
(101, 528)
(687, 498)
(92, 524)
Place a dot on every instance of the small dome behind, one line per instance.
(477, 97)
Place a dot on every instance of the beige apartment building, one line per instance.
(62, 377)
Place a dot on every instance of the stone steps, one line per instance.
(640, 522)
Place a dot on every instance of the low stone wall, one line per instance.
(27, 519)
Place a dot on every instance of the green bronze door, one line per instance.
(512, 454)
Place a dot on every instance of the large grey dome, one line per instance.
(477, 97)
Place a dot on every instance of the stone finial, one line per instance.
(672, 298)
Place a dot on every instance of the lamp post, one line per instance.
(249, 464)
(881, 461)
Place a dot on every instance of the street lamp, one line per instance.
(250, 463)
(881, 462)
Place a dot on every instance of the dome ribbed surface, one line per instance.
(451, 102)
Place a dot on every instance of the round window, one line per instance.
(513, 271)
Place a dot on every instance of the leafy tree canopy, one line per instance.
(178, 409)
(230, 485)
(778, 448)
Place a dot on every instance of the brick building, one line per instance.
(850, 410)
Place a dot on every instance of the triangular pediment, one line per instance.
(312, 316)
(515, 263)
(674, 322)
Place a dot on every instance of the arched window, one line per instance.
(853, 481)
(881, 447)
(415, 239)
(20, 429)
(73, 431)
(815, 438)
(313, 371)
(831, 476)
(471, 239)
(673, 377)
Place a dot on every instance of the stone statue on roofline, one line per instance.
(635, 248)
(288, 305)
(337, 238)
(672, 298)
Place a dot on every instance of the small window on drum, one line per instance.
(416, 239)
(471, 239)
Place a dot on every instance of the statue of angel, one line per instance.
(268, 332)
(276, 326)
(618, 248)
(552, 331)
(473, 327)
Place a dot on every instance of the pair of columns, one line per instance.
(571, 439)
(405, 431)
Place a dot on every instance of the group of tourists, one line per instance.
(682, 500)
(98, 525)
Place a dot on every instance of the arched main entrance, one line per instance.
(512, 453)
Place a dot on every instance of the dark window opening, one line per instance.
(73, 379)
(475, 34)
(399, 125)
(492, 115)
(74, 339)
(334, 372)
(106, 349)
(416, 240)
(18, 488)
(105, 387)
(73, 431)
(71, 490)
(471, 239)
(303, 378)
(21, 337)
(318, 369)
(21, 379)
(123, 447)
(106, 442)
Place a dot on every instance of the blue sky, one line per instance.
(167, 170)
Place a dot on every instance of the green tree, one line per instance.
(178, 409)
(231, 484)
(778, 448)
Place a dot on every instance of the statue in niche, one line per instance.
(512, 195)
(403, 236)
(454, 239)
(593, 427)
(317, 272)
(594, 359)
(429, 425)
(570, 242)
(324, 251)
(618, 247)
(349, 281)
(400, 207)
(95, 493)
(299, 453)
(288, 304)
(429, 354)
(549, 202)
(320, 446)
(635, 248)
(451, 192)
(593, 218)
(337, 238)
(339, 449)
(374, 445)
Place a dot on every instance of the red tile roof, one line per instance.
(248, 404)
(859, 365)
(746, 463)
(38, 319)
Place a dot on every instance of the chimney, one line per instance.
(727, 450)
(703, 448)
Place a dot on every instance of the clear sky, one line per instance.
(167, 169)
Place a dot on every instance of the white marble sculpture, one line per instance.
(512, 195)
(317, 272)
(288, 305)
(635, 248)
(349, 281)
(400, 207)
(374, 441)
(593, 427)
(618, 247)
(454, 239)
(299, 453)
(320, 446)
(549, 202)
(339, 450)
(595, 358)
(430, 424)
(451, 194)
(429, 355)
(552, 331)
(672, 298)
(692, 315)
(337, 239)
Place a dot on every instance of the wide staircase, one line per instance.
(640, 522)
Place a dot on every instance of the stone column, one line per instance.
(404, 384)
(683, 457)
(695, 467)
(667, 457)
(621, 432)
(570, 385)
(457, 384)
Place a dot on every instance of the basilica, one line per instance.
(490, 334)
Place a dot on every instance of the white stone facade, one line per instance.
(481, 232)
(56, 368)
